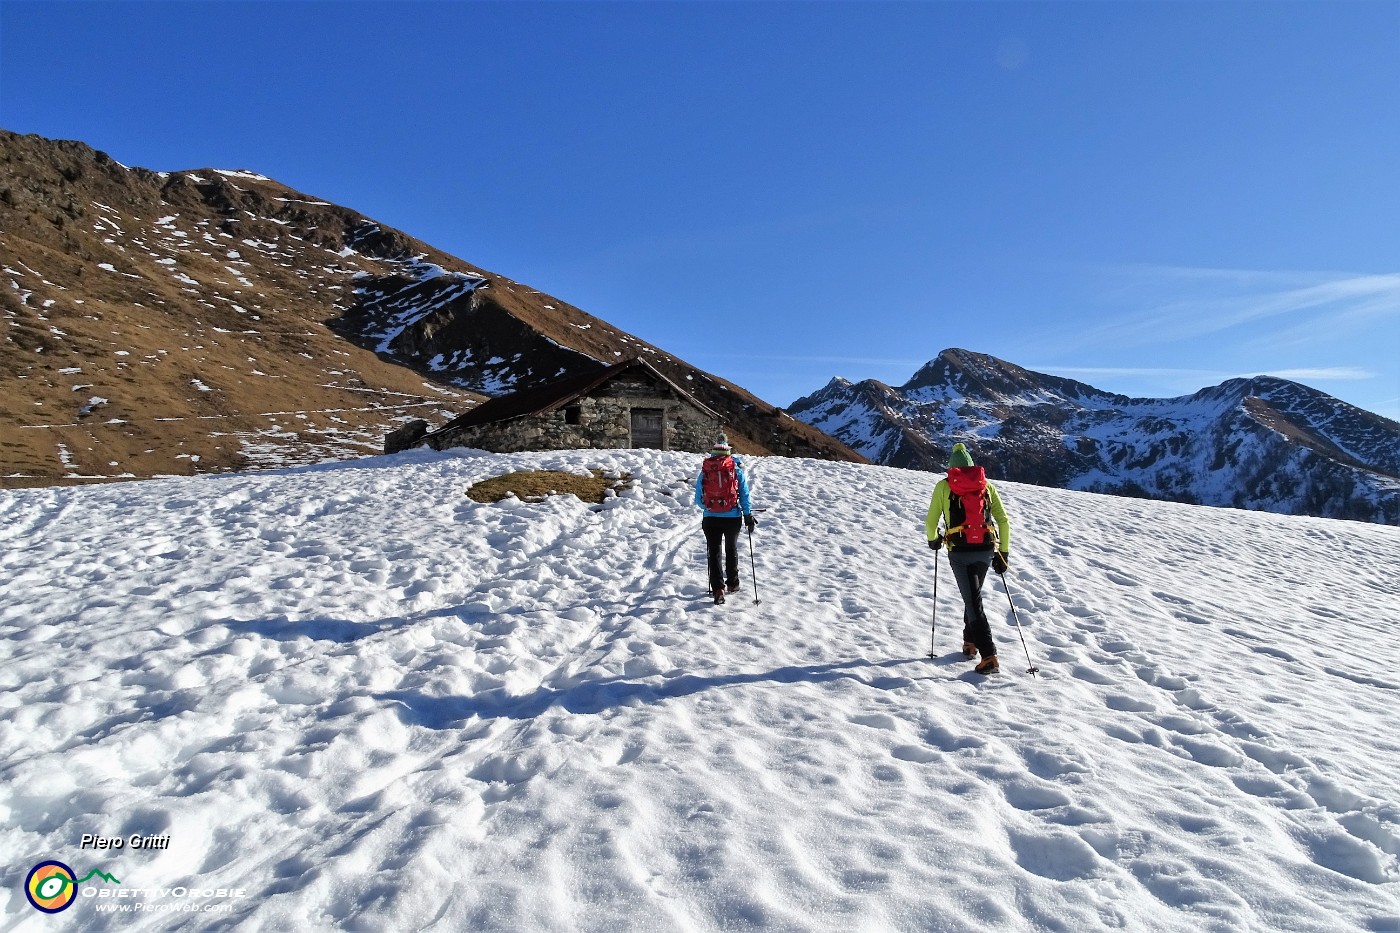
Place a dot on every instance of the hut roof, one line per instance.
(539, 400)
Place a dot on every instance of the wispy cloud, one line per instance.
(1175, 303)
(1207, 376)
(1326, 374)
(1169, 372)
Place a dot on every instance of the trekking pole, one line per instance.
(752, 569)
(933, 628)
(1032, 669)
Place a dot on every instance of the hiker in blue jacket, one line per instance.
(722, 491)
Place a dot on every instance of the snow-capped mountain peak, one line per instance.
(1257, 442)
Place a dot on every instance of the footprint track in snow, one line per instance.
(1348, 838)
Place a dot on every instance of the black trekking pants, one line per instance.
(719, 530)
(970, 570)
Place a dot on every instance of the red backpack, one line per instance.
(719, 484)
(969, 485)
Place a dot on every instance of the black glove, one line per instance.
(999, 561)
(750, 522)
(936, 544)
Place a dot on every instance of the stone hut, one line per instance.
(629, 404)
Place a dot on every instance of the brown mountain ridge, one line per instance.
(211, 320)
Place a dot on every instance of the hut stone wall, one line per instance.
(600, 419)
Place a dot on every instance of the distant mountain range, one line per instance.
(213, 320)
(1257, 443)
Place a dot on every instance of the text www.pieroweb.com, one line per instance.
(145, 908)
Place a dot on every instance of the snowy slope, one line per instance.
(369, 703)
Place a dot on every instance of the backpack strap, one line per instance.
(948, 535)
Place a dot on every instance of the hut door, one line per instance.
(649, 428)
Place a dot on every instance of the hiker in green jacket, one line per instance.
(978, 535)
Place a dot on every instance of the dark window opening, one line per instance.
(573, 415)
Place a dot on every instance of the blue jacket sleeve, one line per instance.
(744, 505)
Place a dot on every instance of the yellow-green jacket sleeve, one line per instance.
(937, 508)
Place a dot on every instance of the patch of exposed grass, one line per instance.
(534, 485)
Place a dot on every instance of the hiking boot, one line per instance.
(719, 596)
(970, 650)
(732, 588)
(988, 665)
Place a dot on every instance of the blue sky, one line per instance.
(1148, 197)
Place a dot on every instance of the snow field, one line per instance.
(378, 705)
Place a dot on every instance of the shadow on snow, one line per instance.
(594, 696)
